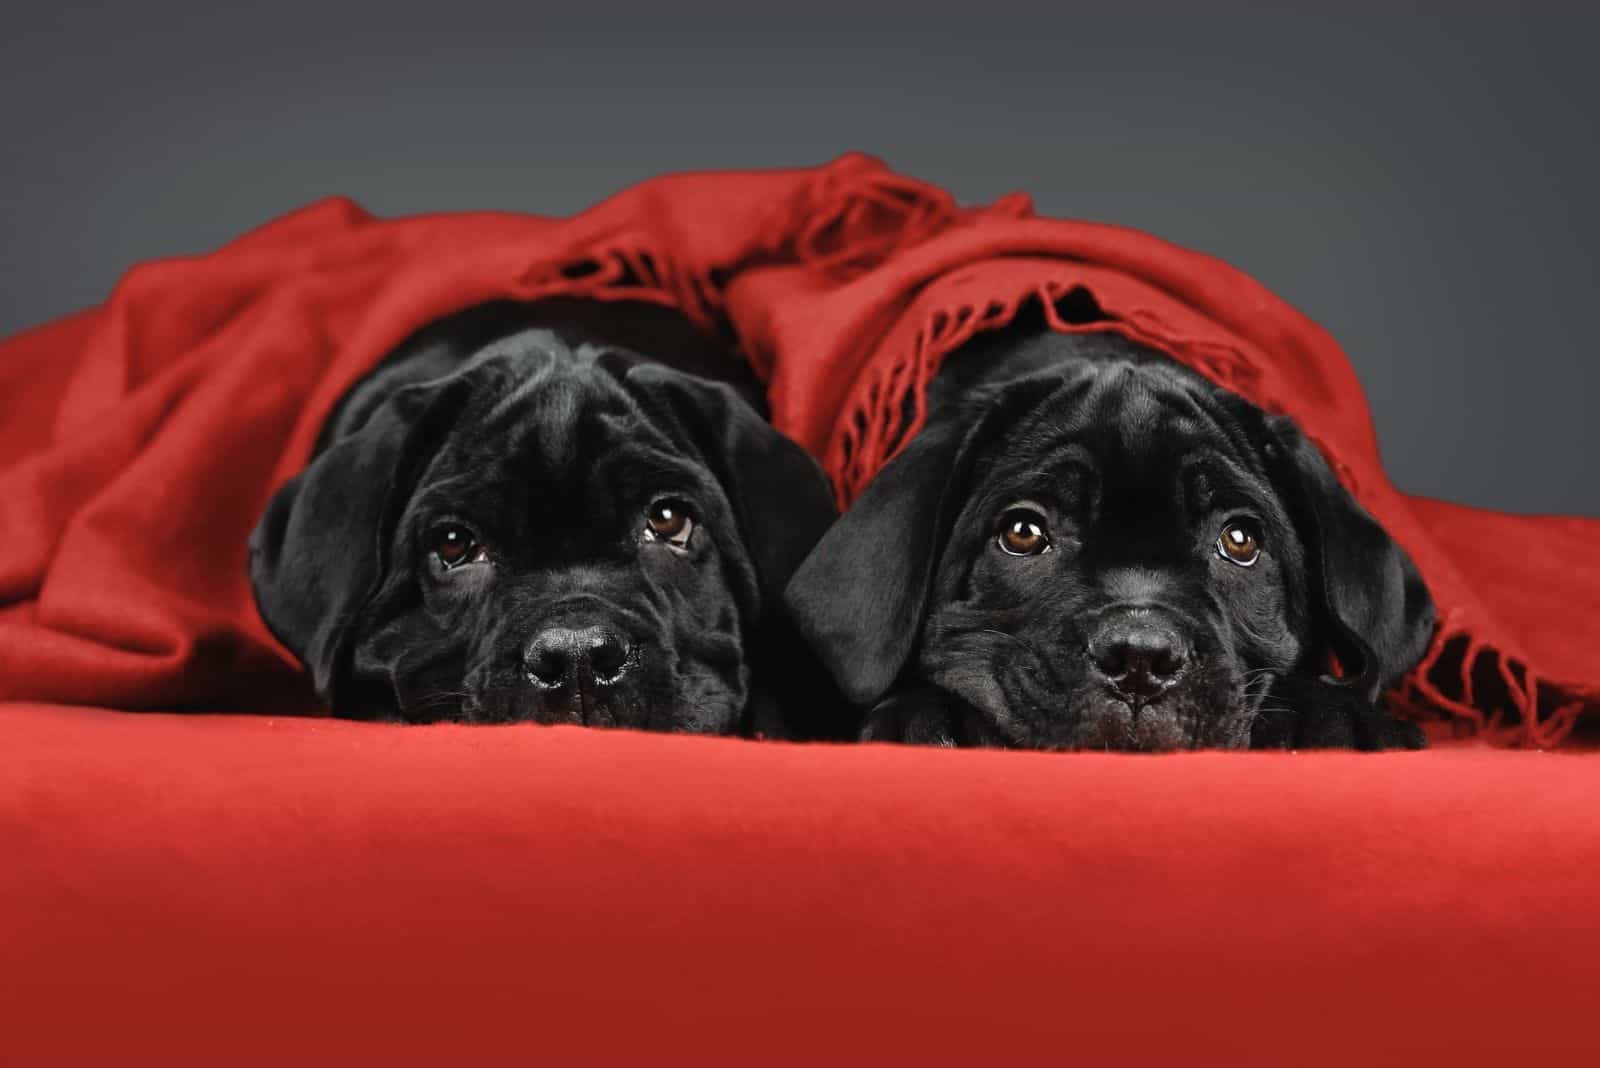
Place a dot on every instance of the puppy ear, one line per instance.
(782, 498)
(860, 597)
(1369, 605)
(320, 548)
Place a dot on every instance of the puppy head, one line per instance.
(1111, 555)
(541, 534)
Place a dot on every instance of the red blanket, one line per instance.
(140, 440)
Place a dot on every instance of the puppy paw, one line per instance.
(1400, 734)
(1323, 714)
(912, 717)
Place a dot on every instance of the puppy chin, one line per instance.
(521, 704)
(576, 708)
(586, 707)
(1107, 723)
(707, 713)
(1159, 726)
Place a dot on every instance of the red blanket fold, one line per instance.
(139, 441)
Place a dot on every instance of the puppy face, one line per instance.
(564, 560)
(542, 534)
(1113, 553)
(1122, 575)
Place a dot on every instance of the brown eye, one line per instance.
(1022, 533)
(1239, 543)
(455, 545)
(668, 520)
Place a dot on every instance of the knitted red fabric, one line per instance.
(140, 440)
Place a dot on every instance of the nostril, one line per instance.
(1111, 657)
(608, 656)
(549, 657)
(1167, 662)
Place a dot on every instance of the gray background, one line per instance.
(1421, 185)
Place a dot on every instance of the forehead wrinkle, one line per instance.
(548, 411)
(1163, 443)
(1136, 410)
(1228, 481)
(450, 493)
(1152, 409)
(1210, 406)
(1165, 409)
(1146, 416)
(1146, 428)
(1053, 420)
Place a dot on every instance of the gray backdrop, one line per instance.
(1421, 185)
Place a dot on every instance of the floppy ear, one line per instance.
(861, 596)
(782, 499)
(1369, 605)
(320, 548)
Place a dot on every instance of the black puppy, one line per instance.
(1091, 546)
(566, 512)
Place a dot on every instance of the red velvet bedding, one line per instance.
(221, 886)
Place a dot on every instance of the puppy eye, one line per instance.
(455, 545)
(669, 520)
(1023, 533)
(1239, 543)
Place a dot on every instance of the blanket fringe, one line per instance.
(630, 270)
(1441, 684)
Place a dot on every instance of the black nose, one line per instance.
(581, 656)
(1141, 658)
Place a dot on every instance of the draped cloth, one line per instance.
(140, 440)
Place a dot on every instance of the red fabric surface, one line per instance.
(195, 889)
